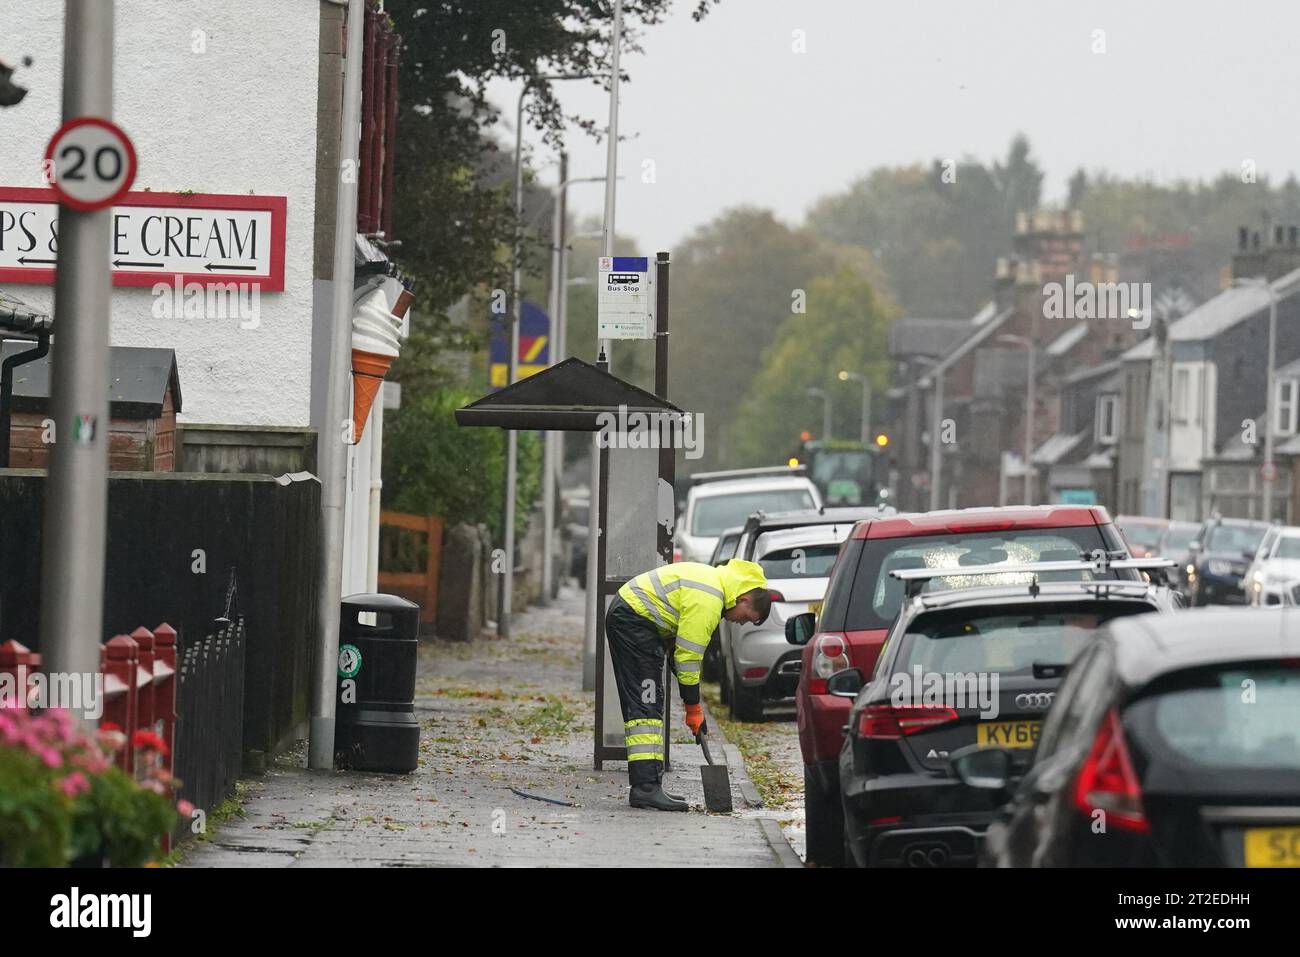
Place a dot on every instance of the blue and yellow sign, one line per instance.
(534, 345)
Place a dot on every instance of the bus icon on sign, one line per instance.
(623, 278)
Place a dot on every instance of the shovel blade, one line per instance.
(717, 788)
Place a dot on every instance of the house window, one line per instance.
(1182, 382)
(1284, 408)
(1107, 418)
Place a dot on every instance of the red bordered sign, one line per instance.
(205, 238)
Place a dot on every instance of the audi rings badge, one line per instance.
(1037, 701)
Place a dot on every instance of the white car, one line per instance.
(1275, 573)
(712, 507)
(758, 664)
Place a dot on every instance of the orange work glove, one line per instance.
(695, 718)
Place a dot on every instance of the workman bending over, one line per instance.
(675, 606)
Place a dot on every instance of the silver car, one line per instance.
(1275, 572)
(758, 664)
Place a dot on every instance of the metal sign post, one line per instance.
(636, 475)
(90, 162)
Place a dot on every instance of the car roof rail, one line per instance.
(699, 478)
(914, 579)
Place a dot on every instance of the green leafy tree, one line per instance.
(454, 213)
(846, 327)
(736, 281)
(434, 467)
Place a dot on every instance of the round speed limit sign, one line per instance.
(90, 163)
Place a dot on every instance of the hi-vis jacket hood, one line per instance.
(739, 576)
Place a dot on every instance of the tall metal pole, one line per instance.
(552, 437)
(333, 450)
(507, 587)
(611, 152)
(1029, 429)
(826, 409)
(76, 504)
(1269, 403)
(591, 609)
(866, 411)
(935, 418)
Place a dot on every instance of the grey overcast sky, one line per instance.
(730, 114)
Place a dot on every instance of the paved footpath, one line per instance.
(496, 715)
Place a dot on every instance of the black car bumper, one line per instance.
(914, 820)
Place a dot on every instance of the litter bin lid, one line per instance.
(378, 602)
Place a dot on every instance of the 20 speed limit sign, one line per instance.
(90, 163)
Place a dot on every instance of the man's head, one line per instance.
(751, 608)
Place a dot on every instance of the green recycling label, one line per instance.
(349, 661)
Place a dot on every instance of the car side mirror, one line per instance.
(1248, 554)
(800, 628)
(986, 769)
(845, 684)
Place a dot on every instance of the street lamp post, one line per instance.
(826, 410)
(1028, 346)
(936, 423)
(846, 376)
(591, 606)
(512, 362)
(551, 444)
(1261, 282)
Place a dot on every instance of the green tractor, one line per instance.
(847, 473)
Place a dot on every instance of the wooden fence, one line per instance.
(410, 558)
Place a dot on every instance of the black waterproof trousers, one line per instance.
(637, 653)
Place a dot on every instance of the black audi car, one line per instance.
(1175, 741)
(971, 666)
(1218, 559)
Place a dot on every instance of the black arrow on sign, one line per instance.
(125, 262)
(211, 266)
(24, 260)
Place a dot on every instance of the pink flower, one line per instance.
(185, 808)
(51, 757)
(74, 784)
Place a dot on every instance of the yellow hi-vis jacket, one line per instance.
(685, 600)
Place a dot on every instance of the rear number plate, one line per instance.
(1273, 847)
(1008, 734)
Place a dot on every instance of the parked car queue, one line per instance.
(1023, 595)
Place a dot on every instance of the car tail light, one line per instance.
(677, 554)
(830, 654)
(1107, 781)
(888, 722)
(985, 526)
(775, 595)
(755, 673)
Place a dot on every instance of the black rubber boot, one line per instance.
(659, 777)
(647, 791)
(653, 796)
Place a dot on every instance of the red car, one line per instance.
(863, 599)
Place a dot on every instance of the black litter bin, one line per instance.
(376, 728)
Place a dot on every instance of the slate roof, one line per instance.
(138, 380)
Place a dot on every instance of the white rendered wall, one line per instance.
(239, 117)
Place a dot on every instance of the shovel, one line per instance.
(717, 782)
